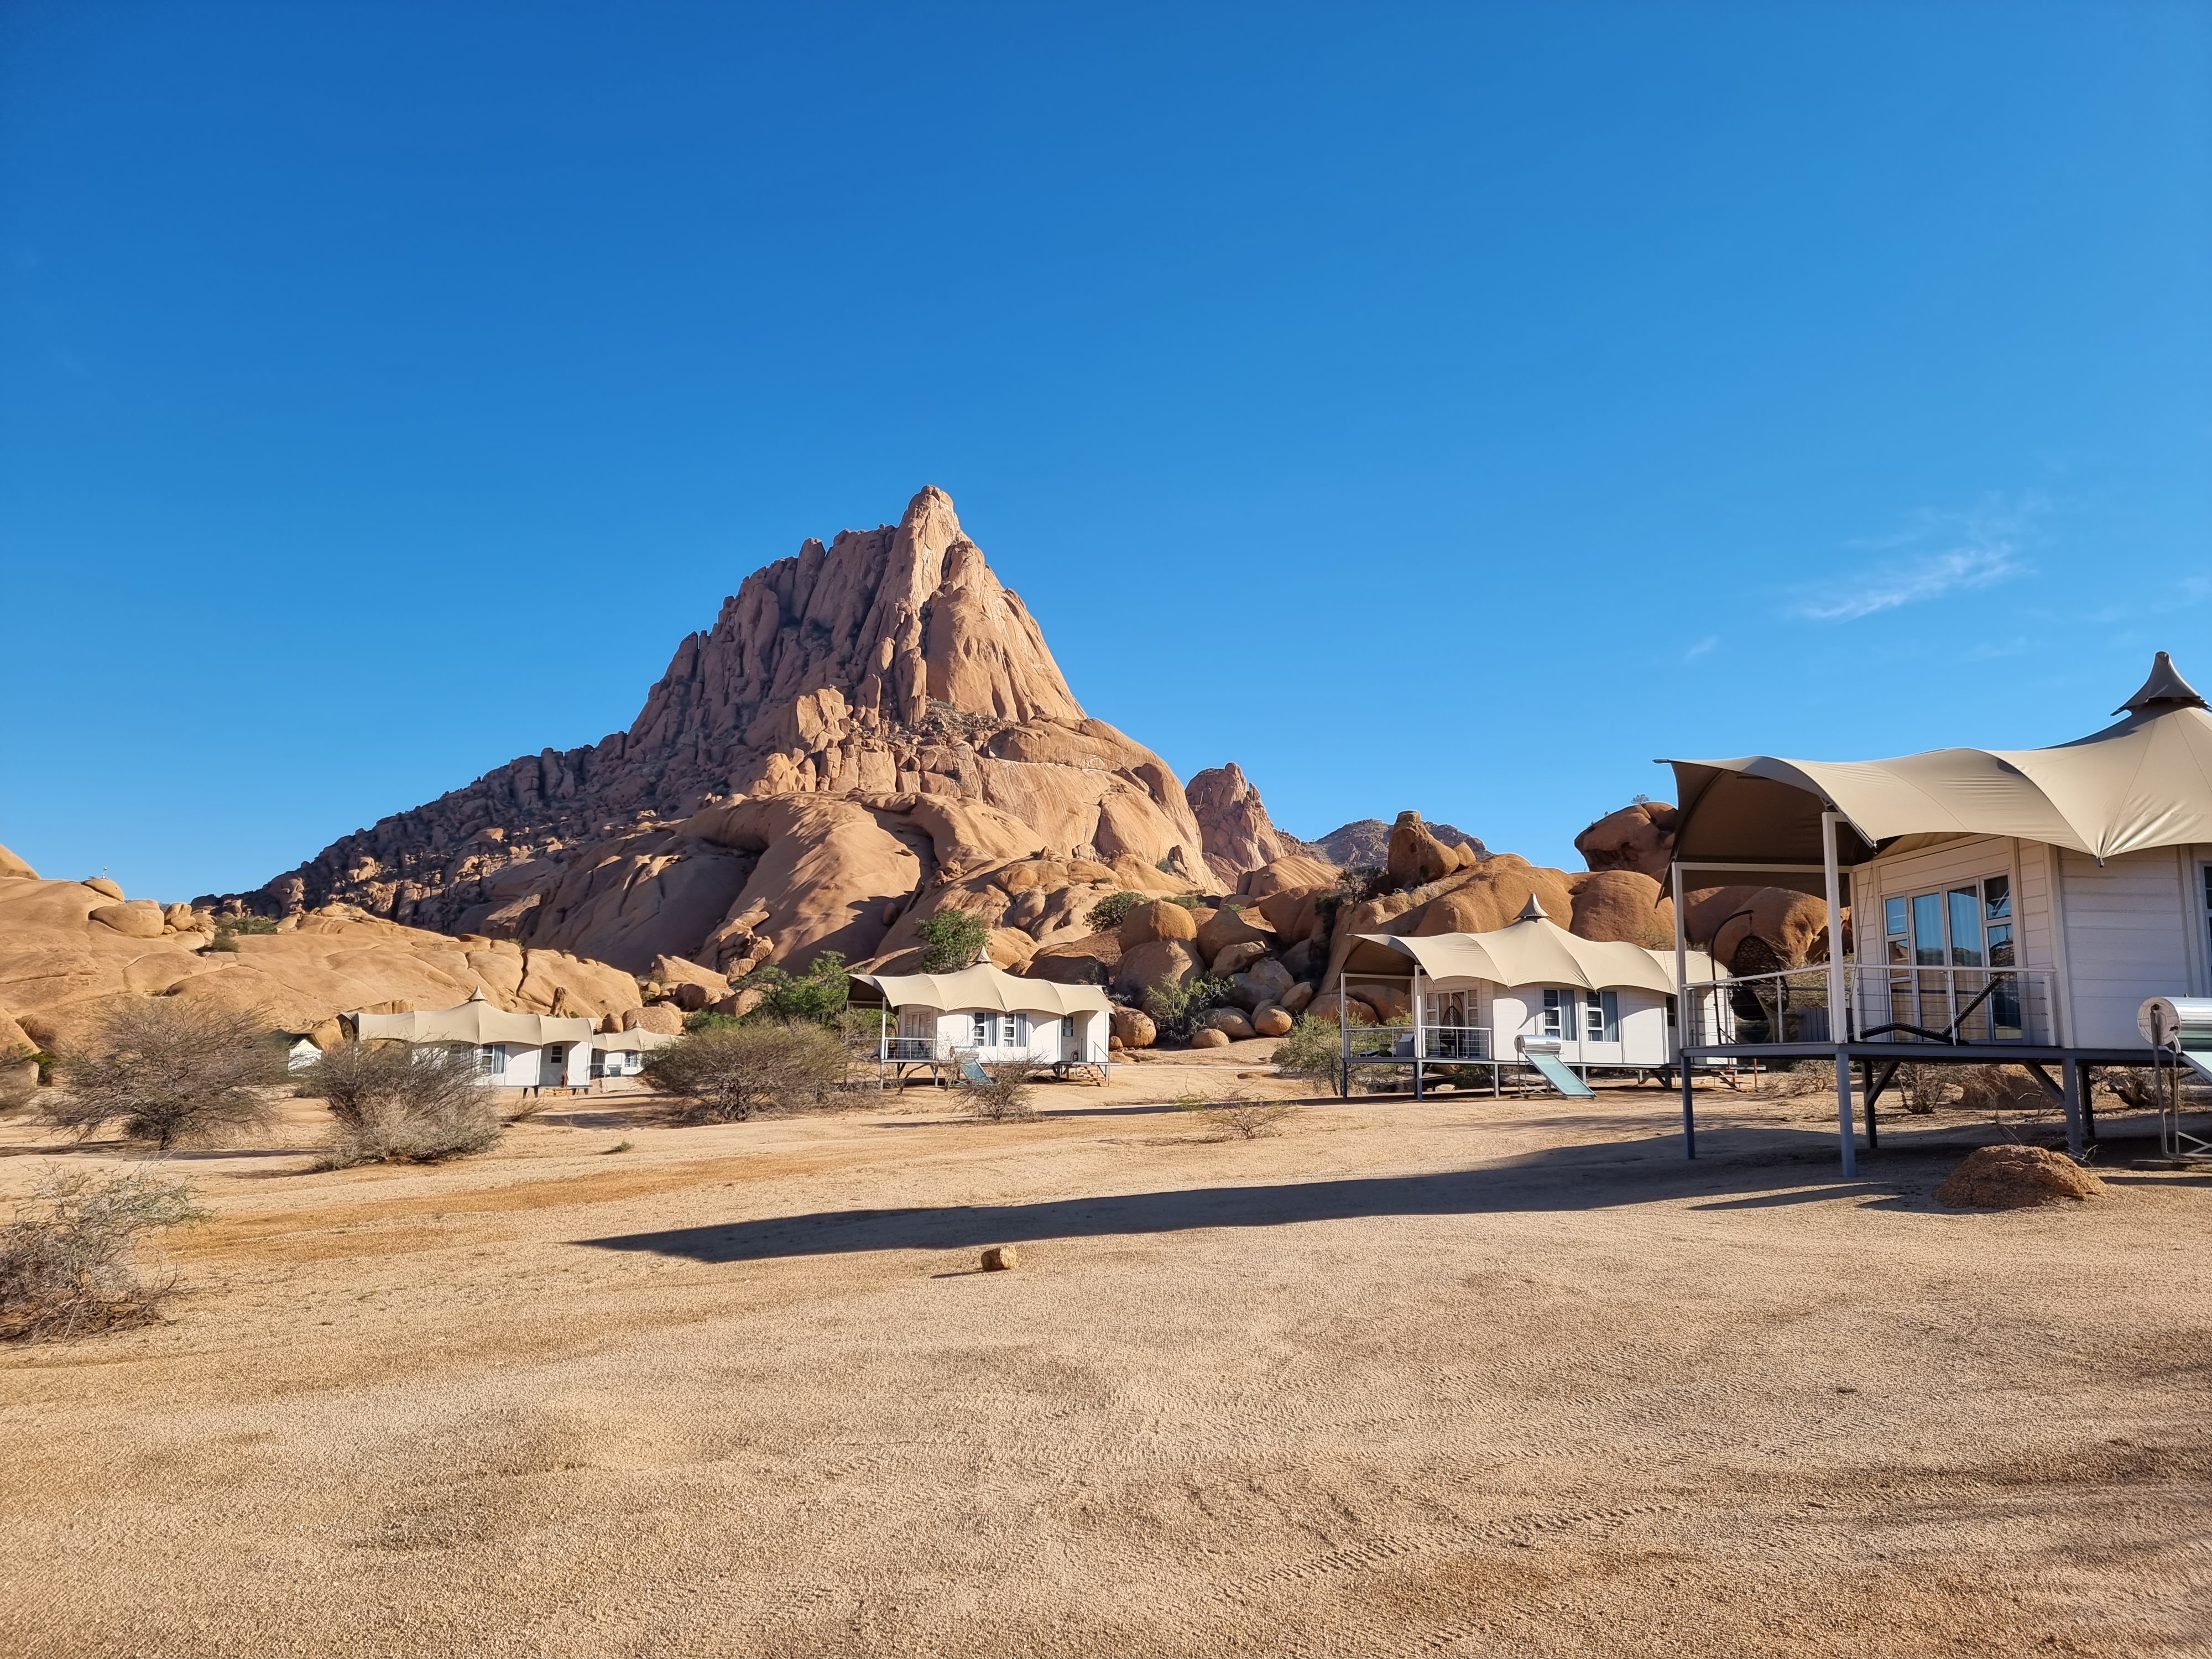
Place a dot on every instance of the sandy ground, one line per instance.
(1462, 1377)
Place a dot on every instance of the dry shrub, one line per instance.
(395, 1104)
(1996, 1088)
(70, 1262)
(1007, 1095)
(19, 1079)
(1238, 1116)
(1252, 1119)
(728, 1073)
(2015, 1177)
(170, 1071)
(1808, 1077)
(2142, 1089)
(1924, 1088)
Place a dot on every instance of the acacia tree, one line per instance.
(170, 1071)
(727, 1073)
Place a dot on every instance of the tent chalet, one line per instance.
(621, 1054)
(2006, 905)
(522, 1051)
(985, 1014)
(1533, 987)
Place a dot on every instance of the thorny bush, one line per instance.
(397, 1103)
(70, 1260)
(170, 1071)
(726, 1074)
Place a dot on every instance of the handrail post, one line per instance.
(1837, 1034)
(1684, 1009)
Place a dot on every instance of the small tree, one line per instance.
(171, 1072)
(1313, 1050)
(952, 938)
(400, 1104)
(726, 1074)
(69, 1260)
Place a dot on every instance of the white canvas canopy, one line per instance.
(2145, 782)
(631, 1043)
(1536, 950)
(475, 1021)
(984, 986)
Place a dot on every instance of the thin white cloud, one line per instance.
(1701, 647)
(1936, 553)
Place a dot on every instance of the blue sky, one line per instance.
(1450, 408)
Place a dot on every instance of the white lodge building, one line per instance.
(1489, 997)
(517, 1051)
(986, 1014)
(2006, 905)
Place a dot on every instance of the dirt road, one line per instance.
(1465, 1377)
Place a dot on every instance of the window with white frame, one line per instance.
(998, 1030)
(1558, 1013)
(1601, 1016)
(1968, 926)
(491, 1061)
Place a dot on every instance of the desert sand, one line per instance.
(1468, 1377)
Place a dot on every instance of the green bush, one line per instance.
(1313, 1049)
(817, 995)
(728, 1073)
(952, 938)
(1108, 913)
(1177, 1009)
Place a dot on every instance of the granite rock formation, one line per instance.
(869, 728)
(1364, 843)
(1752, 929)
(65, 952)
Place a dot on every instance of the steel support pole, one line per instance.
(1684, 1009)
(1417, 1030)
(1343, 1045)
(1838, 1025)
(2071, 1094)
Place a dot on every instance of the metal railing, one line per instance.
(1885, 1002)
(1436, 1042)
(917, 1050)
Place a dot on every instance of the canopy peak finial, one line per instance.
(1534, 910)
(2165, 688)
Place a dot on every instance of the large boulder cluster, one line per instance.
(69, 949)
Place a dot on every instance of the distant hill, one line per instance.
(1368, 841)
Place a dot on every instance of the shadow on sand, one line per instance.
(1800, 1170)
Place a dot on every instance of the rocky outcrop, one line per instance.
(63, 959)
(1640, 837)
(866, 724)
(1364, 843)
(1233, 823)
(1752, 930)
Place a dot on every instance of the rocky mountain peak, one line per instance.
(865, 720)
